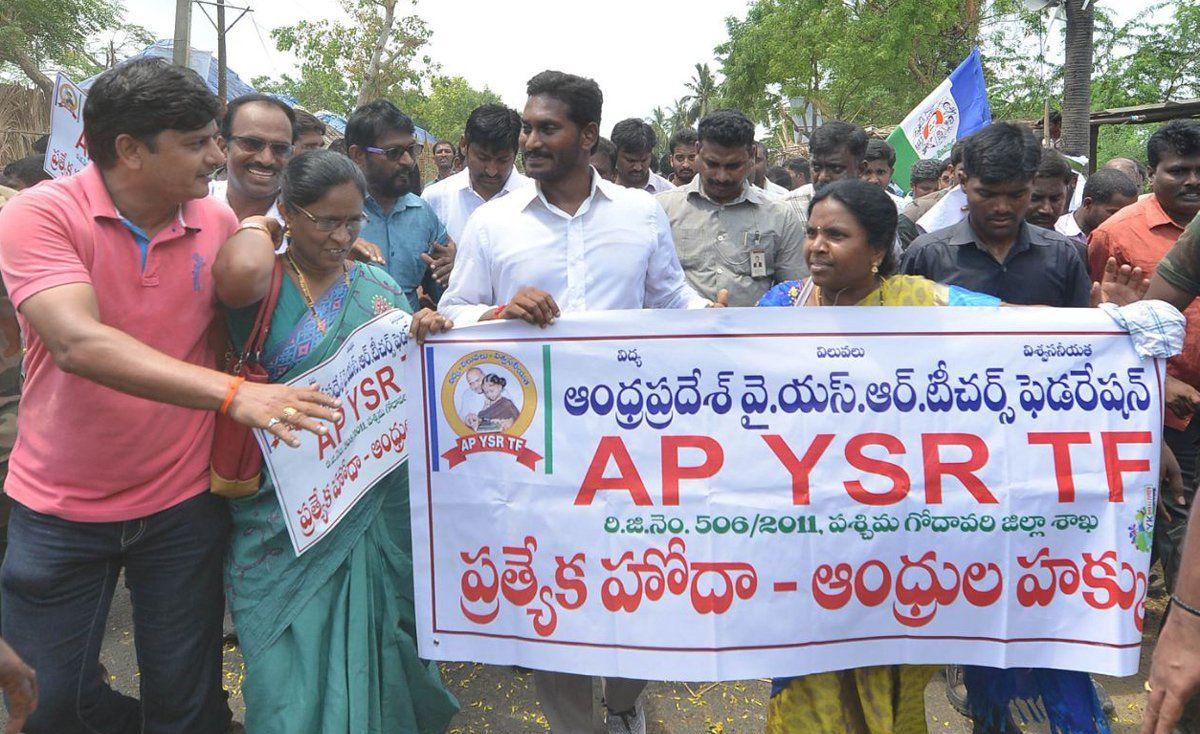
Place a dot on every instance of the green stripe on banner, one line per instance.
(905, 157)
(548, 408)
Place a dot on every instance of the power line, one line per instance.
(258, 31)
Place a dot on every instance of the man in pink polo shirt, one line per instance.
(110, 271)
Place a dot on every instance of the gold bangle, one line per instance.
(255, 225)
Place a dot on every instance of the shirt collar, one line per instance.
(654, 183)
(220, 190)
(99, 199)
(751, 194)
(514, 181)
(964, 234)
(1156, 216)
(102, 205)
(407, 201)
(530, 194)
(1067, 225)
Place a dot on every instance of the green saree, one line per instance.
(329, 638)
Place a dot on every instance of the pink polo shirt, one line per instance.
(85, 452)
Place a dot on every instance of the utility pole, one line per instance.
(183, 31)
(221, 63)
(222, 30)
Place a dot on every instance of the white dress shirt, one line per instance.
(1066, 225)
(220, 190)
(774, 190)
(657, 184)
(454, 201)
(616, 252)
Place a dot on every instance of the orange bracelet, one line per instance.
(234, 384)
(499, 310)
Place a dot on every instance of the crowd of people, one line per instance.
(127, 285)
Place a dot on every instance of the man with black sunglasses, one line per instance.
(257, 136)
(419, 252)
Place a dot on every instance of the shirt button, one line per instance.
(720, 238)
(720, 271)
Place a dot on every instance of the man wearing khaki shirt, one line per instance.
(729, 234)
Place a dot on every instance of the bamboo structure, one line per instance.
(24, 117)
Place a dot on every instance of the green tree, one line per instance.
(342, 64)
(64, 34)
(1141, 61)
(1152, 58)
(702, 91)
(677, 114)
(444, 110)
(869, 61)
(663, 128)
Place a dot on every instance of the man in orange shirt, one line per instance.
(1140, 235)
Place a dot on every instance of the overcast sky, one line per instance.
(502, 44)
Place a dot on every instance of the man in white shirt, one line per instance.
(1107, 192)
(635, 141)
(258, 139)
(258, 135)
(489, 146)
(758, 175)
(571, 242)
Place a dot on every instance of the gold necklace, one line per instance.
(817, 293)
(304, 291)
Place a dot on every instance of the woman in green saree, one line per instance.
(328, 638)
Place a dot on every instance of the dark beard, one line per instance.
(396, 186)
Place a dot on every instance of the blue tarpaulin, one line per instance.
(337, 122)
(202, 62)
(205, 64)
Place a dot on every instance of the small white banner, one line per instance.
(322, 479)
(66, 153)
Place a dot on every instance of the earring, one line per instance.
(875, 269)
(287, 232)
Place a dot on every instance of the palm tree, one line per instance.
(677, 115)
(661, 124)
(702, 91)
(1077, 82)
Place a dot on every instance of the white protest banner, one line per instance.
(66, 152)
(742, 493)
(322, 479)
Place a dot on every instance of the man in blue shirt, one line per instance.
(419, 252)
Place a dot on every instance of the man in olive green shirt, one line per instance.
(728, 234)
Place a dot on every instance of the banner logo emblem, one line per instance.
(936, 127)
(489, 399)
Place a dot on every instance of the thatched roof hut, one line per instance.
(24, 117)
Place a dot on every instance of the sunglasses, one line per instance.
(395, 154)
(255, 145)
(329, 224)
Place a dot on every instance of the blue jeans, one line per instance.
(57, 586)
